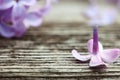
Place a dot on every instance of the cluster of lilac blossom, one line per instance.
(15, 18)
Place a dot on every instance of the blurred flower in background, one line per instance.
(98, 16)
(15, 18)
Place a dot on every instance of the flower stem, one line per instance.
(95, 39)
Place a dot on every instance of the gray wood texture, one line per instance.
(44, 53)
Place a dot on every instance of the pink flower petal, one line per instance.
(96, 61)
(110, 55)
(79, 57)
(18, 12)
(46, 8)
(90, 46)
(33, 19)
(19, 29)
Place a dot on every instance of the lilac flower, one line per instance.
(13, 26)
(19, 7)
(35, 18)
(97, 55)
(5, 4)
(7, 27)
(96, 16)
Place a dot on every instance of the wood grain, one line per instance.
(45, 54)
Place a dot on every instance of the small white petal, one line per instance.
(80, 57)
(110, 55)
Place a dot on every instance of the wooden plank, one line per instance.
(54, 59)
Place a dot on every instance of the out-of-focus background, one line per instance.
(71, 11)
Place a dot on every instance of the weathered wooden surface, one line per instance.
(45, 54)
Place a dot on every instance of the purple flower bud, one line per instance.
(95, 39)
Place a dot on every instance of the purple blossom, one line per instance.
(14, 21)
(35, 18)
(97, 55)
(19, 7)
(5, 4)
(7, 27)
